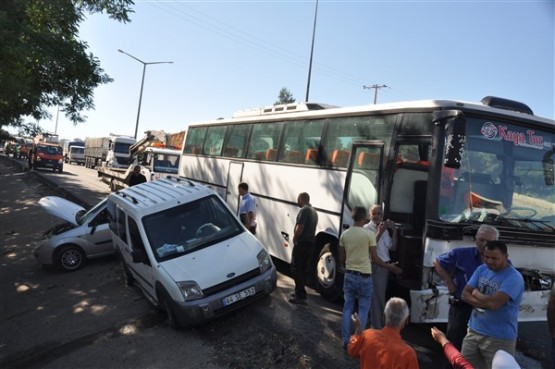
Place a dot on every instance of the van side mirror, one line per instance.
(454, 123)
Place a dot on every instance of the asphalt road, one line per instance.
(89, 319)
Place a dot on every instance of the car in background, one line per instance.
(84, 235)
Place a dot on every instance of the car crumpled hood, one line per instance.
(62, 208)
(217, 263)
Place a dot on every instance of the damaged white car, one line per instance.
(84, 235)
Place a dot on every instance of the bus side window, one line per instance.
(340, 158)
(311, 156)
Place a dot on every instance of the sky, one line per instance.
(234, 55)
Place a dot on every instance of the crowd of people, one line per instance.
(485, 292)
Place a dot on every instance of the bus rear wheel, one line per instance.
(330, 282)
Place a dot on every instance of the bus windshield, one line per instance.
(501, 180)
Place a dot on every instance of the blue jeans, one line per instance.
(355, 286)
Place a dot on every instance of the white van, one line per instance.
(179, 242)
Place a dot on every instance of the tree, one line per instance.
(285, 97)
(44, 63)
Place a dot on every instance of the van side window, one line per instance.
(101, 218)
(121, 226)
(135, 235)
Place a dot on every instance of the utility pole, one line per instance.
(375, 87)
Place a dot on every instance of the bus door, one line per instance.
(363, 182)
(234, 175)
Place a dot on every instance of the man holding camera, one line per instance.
(380, 274)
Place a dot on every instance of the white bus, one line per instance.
(440, 169)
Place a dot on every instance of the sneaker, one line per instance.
(297, 300)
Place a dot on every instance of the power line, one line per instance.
(376, 88)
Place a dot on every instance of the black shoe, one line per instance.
(297, 300)
(294, 295)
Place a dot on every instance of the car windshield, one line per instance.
(189, 227)
(86, 217)
(504, 178)
(49, 150)
(166, 163)
(122, 148)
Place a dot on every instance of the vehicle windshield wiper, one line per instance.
(545, 224)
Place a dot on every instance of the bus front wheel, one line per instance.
(330, 281)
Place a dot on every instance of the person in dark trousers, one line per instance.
(135, 177)
(303, 240)
(455, 268)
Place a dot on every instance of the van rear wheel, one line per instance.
(127, 276)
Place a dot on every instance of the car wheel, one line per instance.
(61, 169)
(328, 276)
(70, 258)
(166, 305)
(127, 276)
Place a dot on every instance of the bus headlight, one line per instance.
(264, 261)
(190, 290)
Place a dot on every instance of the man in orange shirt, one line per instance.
(384, 348)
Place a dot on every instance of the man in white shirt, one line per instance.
(247, 208)
(380, 274)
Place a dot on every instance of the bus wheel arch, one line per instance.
(329, 281)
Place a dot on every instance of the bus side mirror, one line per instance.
(548, 171)
(454, 123)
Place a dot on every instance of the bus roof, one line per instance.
(302, 110)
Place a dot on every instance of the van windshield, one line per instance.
(189, 227)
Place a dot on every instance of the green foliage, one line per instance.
(44, 63)
(285, 97)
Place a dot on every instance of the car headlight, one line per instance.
(190, 290)
(60, 161)
(264, 261)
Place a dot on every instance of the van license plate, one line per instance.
(238, 296)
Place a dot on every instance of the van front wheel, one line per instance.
(168, 309)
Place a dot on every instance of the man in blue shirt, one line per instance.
(495, 291)
(455, 268)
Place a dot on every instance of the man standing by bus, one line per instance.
(380, 274)
(354, 259)
(455, 268)
(247, 208)
(495, 292)
(303, 241)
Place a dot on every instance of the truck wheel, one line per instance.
(330, 281)
(113, 186)
(70, 258)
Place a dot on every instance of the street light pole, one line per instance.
(142, 83)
